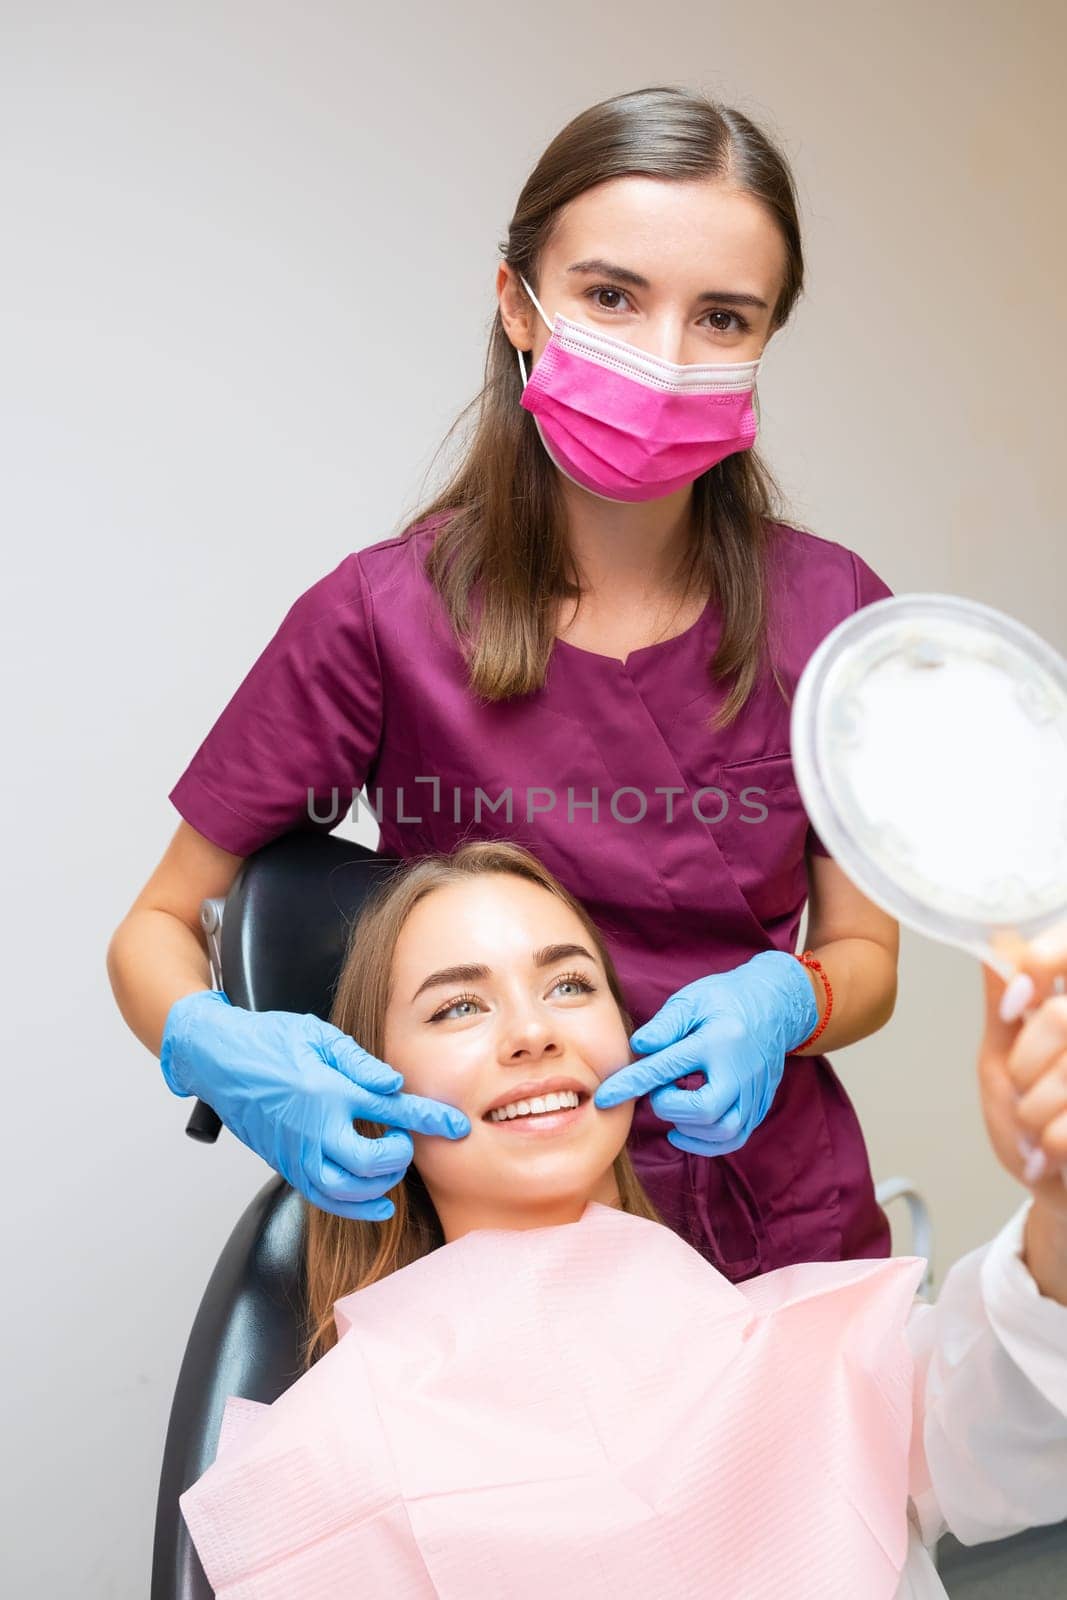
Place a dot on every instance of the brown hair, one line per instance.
(504, 515)
(342, 1254)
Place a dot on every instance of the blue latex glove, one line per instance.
(737, 1029)
(288, 1085)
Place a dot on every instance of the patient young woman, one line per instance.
(486, 985)
(523, 1383)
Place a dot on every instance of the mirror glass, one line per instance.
(929, 740)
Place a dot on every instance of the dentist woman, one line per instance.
(587, 643)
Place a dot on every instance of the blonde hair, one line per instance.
(343, 1254)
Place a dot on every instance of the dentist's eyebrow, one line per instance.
(607, 269)
(546, 957)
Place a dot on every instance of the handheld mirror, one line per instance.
(929, 738)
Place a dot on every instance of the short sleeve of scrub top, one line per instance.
(687, 844)
(308, 717)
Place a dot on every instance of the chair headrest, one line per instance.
(288, 916)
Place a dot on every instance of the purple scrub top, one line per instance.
(693, 861)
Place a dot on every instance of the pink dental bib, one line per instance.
(588, 1410)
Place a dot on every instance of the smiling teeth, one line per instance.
(565, 1100)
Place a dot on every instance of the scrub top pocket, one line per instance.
(763, 835)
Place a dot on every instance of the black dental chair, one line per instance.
(279, 940)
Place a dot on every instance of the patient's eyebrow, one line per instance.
(608, 269)
(475, 972)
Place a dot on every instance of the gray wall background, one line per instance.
(246, 284)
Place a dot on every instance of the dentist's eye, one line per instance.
(605, 288)
(742, 325)
(732, 322)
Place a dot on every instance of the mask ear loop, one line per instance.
(544, 319)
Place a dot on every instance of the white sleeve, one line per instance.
(989, 1441)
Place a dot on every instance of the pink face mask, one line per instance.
(630, 426)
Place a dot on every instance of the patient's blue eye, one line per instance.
(576, 977)
(451, 1006)
(462, 1000)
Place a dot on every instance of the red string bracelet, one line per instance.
(808, 959)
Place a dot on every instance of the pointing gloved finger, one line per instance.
(339, 1050)
(711, 1106)
(673, 1020)
(638, 1077)
(417, 1112)
(423, 1115)
(705, 1147)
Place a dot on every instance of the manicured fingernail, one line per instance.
(1036, 1166)
(1016, 997)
